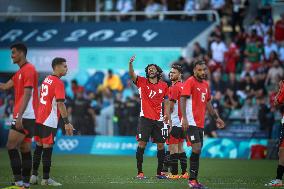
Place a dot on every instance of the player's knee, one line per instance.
(180, 149)
(39, 144)
(281, 156)
(160, 146)
(142, 144)
(47, 145)
(25, 147)
(196, 149)
(174, 148)
(11, 144)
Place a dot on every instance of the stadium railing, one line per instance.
(211, 14)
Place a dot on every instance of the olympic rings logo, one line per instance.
(67, 144)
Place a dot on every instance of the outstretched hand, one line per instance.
(132, 59)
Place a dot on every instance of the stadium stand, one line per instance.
(251, 52)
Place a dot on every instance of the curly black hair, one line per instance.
(159, 70)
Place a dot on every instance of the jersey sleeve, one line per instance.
(29, 77)
(59, 91)
(140, 81)
(208, 94)
(13, 78)
(166, 94)
(280, 96)
(187, 88)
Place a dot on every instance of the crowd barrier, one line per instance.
(122, 145)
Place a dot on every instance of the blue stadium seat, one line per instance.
(124, 79)
(94, 81)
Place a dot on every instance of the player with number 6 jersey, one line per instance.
(51, 106)
(195, 99)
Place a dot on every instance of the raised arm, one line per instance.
(132, 74)
(219, 122)
(8, 85)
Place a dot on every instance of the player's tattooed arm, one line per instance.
(7, 85)
(132, 74)
(219, 122)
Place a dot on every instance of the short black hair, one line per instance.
(74, 81)
(198, 62)
(159, 70)
(20, 47)
(177, 67)
(57, 61)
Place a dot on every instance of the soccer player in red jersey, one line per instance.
(51, 106)
(153, 92)
(177, 136)
(279, 101)
(24, 82)
(195, 99)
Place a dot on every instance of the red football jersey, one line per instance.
(174, 95)
(26, 77)
(152, 96)
(280, 95)
(279, 31)
(52, 90)
(199, 95)
(280, 98)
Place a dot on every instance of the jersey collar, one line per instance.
(23, 65)
(55, 76)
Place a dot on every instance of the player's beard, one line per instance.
(153, 76)
(16, 61)
(201, 77)
(174, 79)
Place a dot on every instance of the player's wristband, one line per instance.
(65, 120)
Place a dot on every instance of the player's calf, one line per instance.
(36, 159)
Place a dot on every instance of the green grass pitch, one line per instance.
(109, 172)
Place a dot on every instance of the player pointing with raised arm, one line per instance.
(153, 92)
(195, 99)
(51, 106)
